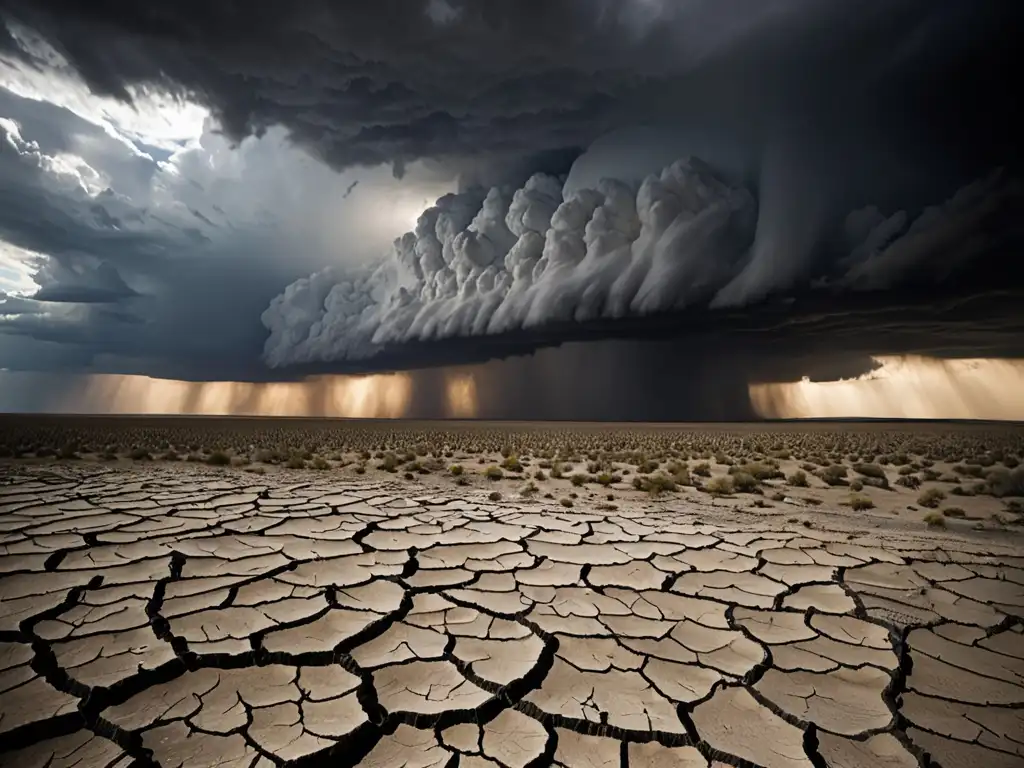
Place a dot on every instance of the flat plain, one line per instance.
(244, 592)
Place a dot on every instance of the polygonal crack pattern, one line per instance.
(156, 617)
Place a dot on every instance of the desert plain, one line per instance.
(247, 592)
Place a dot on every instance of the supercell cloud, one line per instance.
(490, 263)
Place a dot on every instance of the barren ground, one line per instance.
(383, 609)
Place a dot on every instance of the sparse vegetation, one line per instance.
(512, 464)
(869, 470)
(935, 520)
(218, 459)
(931, 498)
(720, 486)
(1005, 482)
(933, 462)
(798, 479)
(743, 482)
(909, 481)
(834, 474)
(860, 503)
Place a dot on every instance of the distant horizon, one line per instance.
(464, 420)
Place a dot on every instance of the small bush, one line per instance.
(798, 479)
(1005, 482)
(655, 484)
(760, 471)
(530, 489)
(360, 469)
(743, 482)
(869, 470)
(218, 459)
(703, 469)
(137, 454)
(954, 512)
(833, 474)
(296, 462)
(931, 498)
(859, 503)
(493, 473)
(512, 464)
(579, 480)
(856, 485)
(539, 475)
(935, 520)
(494, 496)
(719, 486)
(456, 470)
(565, 502)
(909, 481)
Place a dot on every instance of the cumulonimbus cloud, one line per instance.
(483, 263)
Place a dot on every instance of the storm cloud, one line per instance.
(764, 191)
(684, 238)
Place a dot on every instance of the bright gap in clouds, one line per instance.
(908, 387)
(17, 266)
(154, 118)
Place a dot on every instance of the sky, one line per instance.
(569, 209)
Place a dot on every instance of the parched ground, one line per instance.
(180, 615)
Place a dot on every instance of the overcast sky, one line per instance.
(213, 191)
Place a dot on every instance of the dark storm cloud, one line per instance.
(387, 82)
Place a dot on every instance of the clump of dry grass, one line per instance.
(931, 498)
(798, 479)
(720, 486)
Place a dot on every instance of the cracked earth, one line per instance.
(171, 617)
